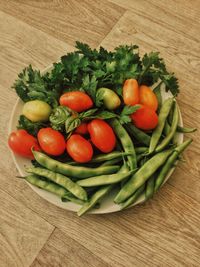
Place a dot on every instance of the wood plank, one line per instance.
(142, 235)
(62, 250)
(172, 15)
(17, 51)
(22, 233)
(87, 21)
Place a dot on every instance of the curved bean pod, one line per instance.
(61, 180)
(46, 185)
(172, 132)
(72, 171)
(170, 163)
(104, 179)
(132, 199)
(142, 175)
(165, 109)
(126, 142)
(95, 199)
(149, 190)
(139, 135)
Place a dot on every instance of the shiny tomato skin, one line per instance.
(145, 118)
(130, 92)
(147, 97)
(79, 148)
(21, 143)
(77, 101)
(102, 135)
(82, 128)
(51, 141)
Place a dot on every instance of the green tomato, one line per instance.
(36, 110)
(110, 99)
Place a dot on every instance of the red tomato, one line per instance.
(147, 97)
(77, 101)
(102, 135)
(131, 92)
(79, 148)
(51, 141)
(145, 118)
(21, 143)
(82, 129)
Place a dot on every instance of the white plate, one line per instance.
(107, 205)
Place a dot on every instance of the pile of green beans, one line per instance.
(137, 168)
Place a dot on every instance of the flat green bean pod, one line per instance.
(95, 199)
(142, 175)
(172, 132)
(100, 193)
(132, 199)
(72, 171)
(140, 150)
(46, 185)
(139, 135)
(126, 142)
(105, 179)
(61, 180)
(165, 109)
(170, 164)
(185, 129)
(111, 162)
(149, 190)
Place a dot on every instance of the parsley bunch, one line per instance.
(87, 69)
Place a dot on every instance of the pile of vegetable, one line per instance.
(97, 121)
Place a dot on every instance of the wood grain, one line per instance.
(164, 231)
(62, 250)
(17, 51)
(22, 233)
(87, 21)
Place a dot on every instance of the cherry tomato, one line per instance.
(131, 92)
(21, 143)
(147, 97)
(145, 118)
(79, 148)
(82, 129)
(51, 141)
(102, 135)
(77, 101)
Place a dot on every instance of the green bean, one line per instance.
(181, 129)
(103, 157)
(138, 134)
(168, 138)
(126, 142)
(104, 179)
(100, 193)
(69, 197)
(170, 163)
(111, 162)
(167, 128)
(149, 190)
(133, 198)
(46, 185)
(142, 175)
(72, 171)
(61, 180)
(140, 150)
(110, 156)
(161, 123)
(157, 92)
(94, 199)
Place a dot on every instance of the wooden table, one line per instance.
(165, 231)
